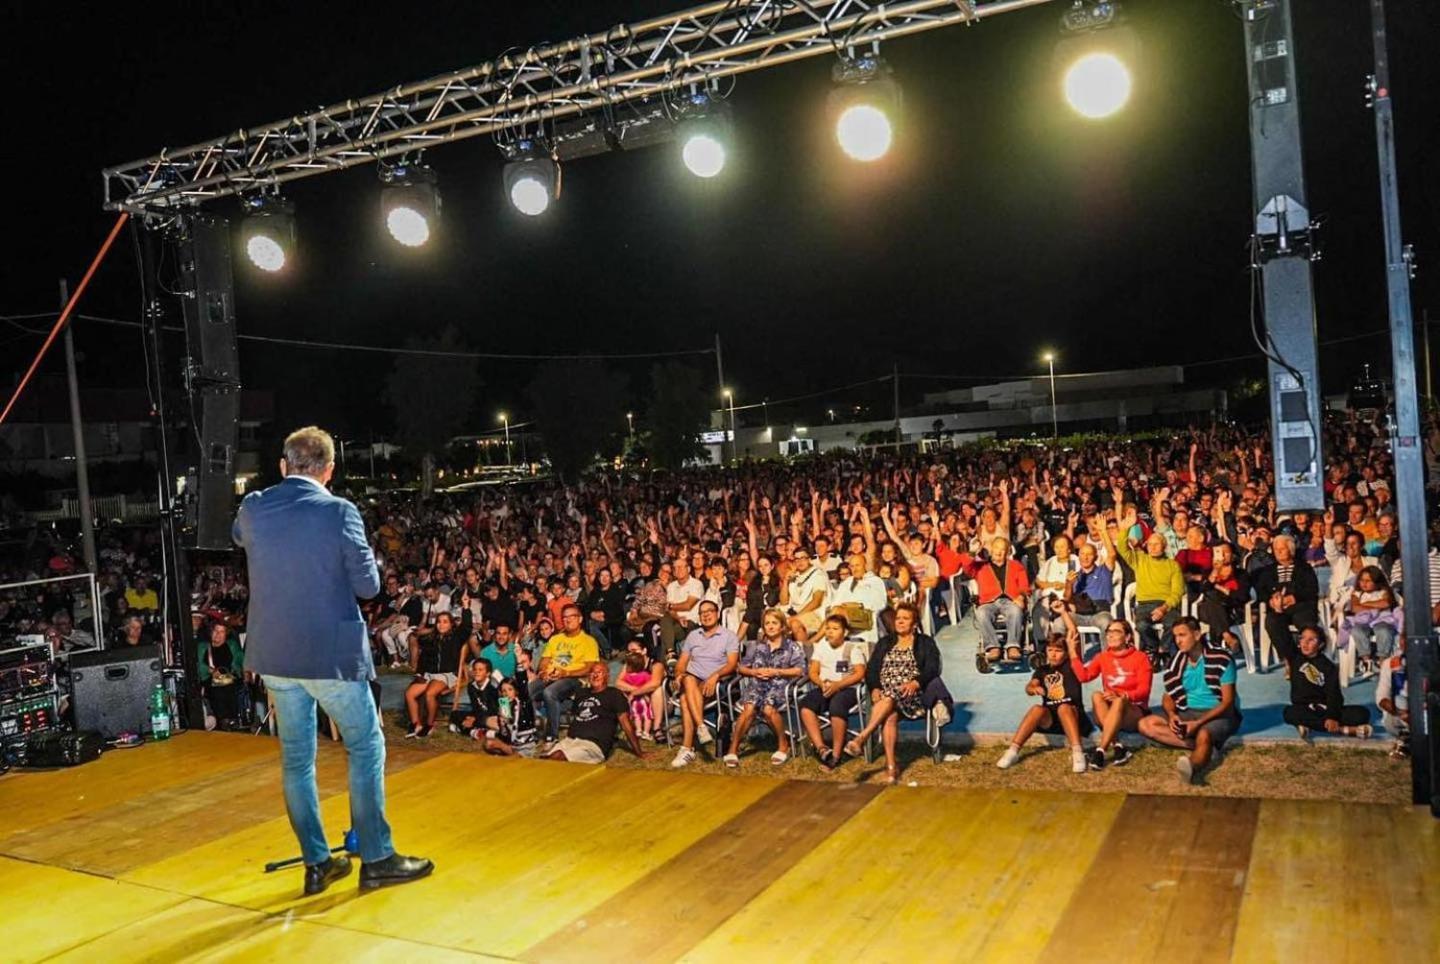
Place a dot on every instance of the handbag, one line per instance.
(859, 618)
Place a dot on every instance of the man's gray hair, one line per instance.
(1284, 537)
(309, 451)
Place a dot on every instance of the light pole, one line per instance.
(506, 420)
(734, 442)
(630, 422)
(1049, 358)
(832, 415)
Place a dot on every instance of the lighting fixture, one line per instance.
(409, 203)
(1095, 59)
(532, 178)
(704, 133)
(267, 232)
(865, 104)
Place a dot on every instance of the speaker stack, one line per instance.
(113, 687)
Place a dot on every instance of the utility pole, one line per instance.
(1425, 334)
(77, 430)
(720, 388)
(1407, 443)
(895, 385)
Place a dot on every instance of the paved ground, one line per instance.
(989, 707)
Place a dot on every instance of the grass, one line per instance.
(1278, 771)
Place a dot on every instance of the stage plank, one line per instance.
(48, 910)
(676, 905)
(39, 798)
(1341, 882)
(925, 874)
(175, 818)
(202, 930)
(432, 807)
(1167, 883)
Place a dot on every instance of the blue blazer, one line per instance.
(309, 559)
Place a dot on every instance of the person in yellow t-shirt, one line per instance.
(141, 596)
(564, 662)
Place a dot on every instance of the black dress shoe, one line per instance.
(320, 876)
(394, 869)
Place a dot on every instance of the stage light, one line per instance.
(703, 132)
(866, 104)
(1097, 85)
(532, 178)
(410, 203)
(267, 232)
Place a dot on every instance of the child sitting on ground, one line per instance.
(513, 724)
(1316, 700)
(1059, 709)
(642, 708)
(482, 691)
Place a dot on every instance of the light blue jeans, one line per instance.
(350, 705)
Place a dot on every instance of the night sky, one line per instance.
(1002, 225)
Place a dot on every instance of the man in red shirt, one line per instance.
(1124, 694)
(1003, 587)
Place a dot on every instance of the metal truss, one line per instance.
(522, 93)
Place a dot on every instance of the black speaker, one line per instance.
(113, 687)
(212, 377)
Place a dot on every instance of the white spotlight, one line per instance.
(267, 232)
(864, 132)
(410, 203)
(532, 179)
(265, 252)
(703, 154)
(866, 105)
(1097, 85)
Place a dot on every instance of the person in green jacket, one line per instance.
(1159, 584)
(221, 661)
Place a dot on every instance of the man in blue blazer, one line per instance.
(309, 559)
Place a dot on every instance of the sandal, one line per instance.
(892, 776)
(853, 748)
(731, 760)
(1013, 654)
(993, 654)
(779, 757)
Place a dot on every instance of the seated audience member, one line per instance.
(1124, 695)
(134, 632)
(1159, 585)
(1392, 699)
(1224, 595)
(1291, 593)
(837, 666)
(709, 654)
(1091, 594)
(1201, 708)
(860, 597)
(1056, 575)
(804, 595)
(1059, 710)
(903, 676)
(596, 713)
(501, 650)
(1316, 701)
(642, 680)
(769, 667)
(484, 696)
(439, 664)
(1003, 588)
(221, 666)
(565, 661)
(1373, 618)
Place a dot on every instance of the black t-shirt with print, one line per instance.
(1058, 685)
(596, 716)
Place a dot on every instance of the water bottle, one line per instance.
(159, 714)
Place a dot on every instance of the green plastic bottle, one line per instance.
(159, 714)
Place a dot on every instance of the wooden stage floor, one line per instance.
(156, 854)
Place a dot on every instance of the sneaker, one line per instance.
(703, 734)
(1304, 732)
(1008, 758)
(684, 758)
(1120, 755)
(1186, 769)
(423, 732)
(1363, 731)
(731, 760)
(1077, 760)
(1096, 760)
(941, 712)
(414, 733)
(454, 728)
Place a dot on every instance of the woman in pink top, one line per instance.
(1125, 678)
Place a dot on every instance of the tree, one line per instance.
(432, 396)
(579, 408)
(679, 412)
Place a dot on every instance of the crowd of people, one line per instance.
(804, 596)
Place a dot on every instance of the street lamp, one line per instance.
(1049, 359)
(506, 420)
(832, 415)
(630, 422)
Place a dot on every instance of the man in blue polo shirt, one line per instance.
(709, 654)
